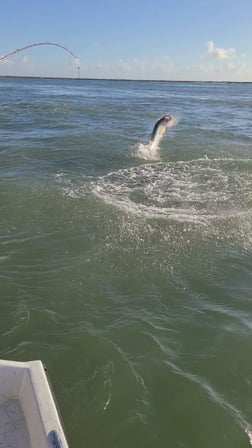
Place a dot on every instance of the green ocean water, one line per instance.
(128, 271)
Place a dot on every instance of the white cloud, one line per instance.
(25, 59)
(125, 66)
(219, 53)
(156, 68)
(216, 71)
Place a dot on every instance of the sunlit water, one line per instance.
(127, 267)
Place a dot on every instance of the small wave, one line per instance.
(5, 107)
(214, 396)
(4, 258)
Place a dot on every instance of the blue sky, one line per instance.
(139, 39)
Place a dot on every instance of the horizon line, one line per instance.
(120, 79)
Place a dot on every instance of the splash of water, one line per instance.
(150, 151)
(198, 190)
(210, 194)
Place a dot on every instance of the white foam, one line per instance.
(249, 434)
(209, 196)
(214, 396)
(197, 191)
(146, 152)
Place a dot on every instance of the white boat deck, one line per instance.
(13, 428)
(28, 414)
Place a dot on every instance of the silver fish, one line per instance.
(160, 128)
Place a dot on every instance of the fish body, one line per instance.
(160, 128)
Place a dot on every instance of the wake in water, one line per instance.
(215, 397)
(195, 191)
(214, 195)
(150, 151)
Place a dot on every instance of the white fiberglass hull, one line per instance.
(28, 414)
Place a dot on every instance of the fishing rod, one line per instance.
(2, 58)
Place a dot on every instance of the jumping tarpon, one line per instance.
(160, 128)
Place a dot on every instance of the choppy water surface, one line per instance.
(128, 269)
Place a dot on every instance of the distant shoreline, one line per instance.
(122, 79)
